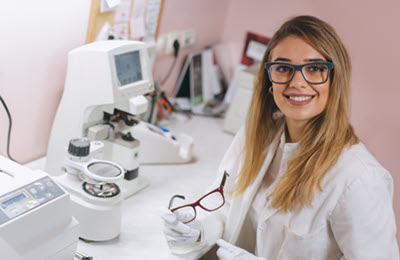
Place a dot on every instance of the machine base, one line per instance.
(128, 188)
(99, 218)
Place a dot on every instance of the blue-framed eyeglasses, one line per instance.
(314, 73)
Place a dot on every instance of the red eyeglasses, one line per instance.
(210, 202)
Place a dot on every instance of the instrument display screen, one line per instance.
(13, 200)
(129, 69)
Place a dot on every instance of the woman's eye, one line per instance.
(316, 68)
(284, 68)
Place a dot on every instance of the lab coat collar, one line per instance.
(288, 149)
(282, 139)
(246, 199)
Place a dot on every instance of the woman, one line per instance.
(301, 184)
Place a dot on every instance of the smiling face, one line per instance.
(298, 100)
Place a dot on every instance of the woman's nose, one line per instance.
(298, 80)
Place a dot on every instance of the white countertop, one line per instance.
(141, 236)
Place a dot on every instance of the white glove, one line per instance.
(228, 251)
(179, 234)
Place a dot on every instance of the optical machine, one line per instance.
(102, 99)
(35, 216)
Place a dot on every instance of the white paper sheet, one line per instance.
(152, 13)
(137, 19)
(113, 3)
(121, 31)
(122, 12)
(108, 5)
(104, 32)
(256, 50)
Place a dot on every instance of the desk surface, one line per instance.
(141, 236)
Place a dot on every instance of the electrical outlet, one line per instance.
(160, 44)
(169, 45)
(189, 37)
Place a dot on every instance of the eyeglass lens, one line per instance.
(185, 214)
(213, 201)
(313, 73)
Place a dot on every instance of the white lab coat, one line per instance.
(352, 218)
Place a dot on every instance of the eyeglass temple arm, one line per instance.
(172, 200)
(224, 179)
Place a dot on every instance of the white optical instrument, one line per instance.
(96, 198)
(35, 216)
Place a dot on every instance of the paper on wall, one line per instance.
(113, 3)
(108, 5)
(121, 31)
(152, 13)
(137, 19)
(104, 32)
(137, 28)
(122, 12)
(256, 50)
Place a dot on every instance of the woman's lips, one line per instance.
(299, 100)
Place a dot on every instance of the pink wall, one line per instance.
(36, 37)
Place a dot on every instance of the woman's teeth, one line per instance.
(297, 98)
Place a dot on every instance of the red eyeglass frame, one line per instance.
(220, 189)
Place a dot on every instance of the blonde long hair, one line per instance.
(325, 136)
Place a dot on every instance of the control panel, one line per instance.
(24, 199)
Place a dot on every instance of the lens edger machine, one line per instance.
(97, 137)
(102, 99)
(104, 90)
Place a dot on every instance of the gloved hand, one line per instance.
(228, 251)
(177, 233)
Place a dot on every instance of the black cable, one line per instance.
(169, 72)
(9, 128)
(155, 93)
(176, 50)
